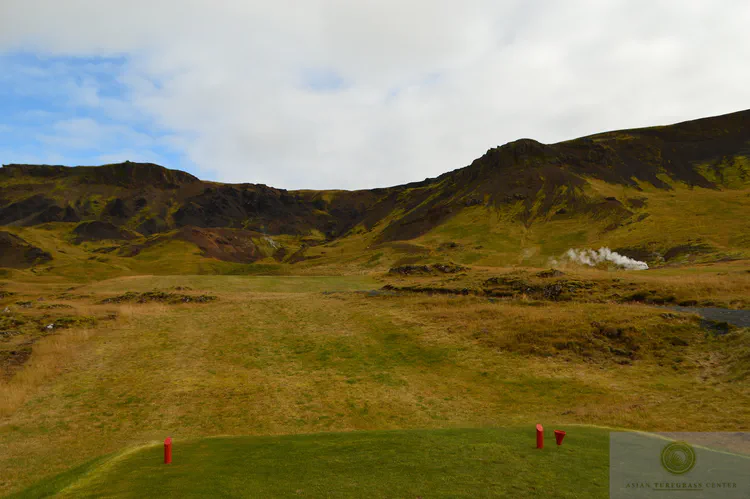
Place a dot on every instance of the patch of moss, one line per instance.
(158, 296)
(67, 322)
(52, 306)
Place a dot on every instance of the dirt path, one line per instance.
(739, 318)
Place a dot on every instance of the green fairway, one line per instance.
(494, 462)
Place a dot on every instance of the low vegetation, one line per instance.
(138, 302)
(292, 355)
(715, 285)
(158, 296)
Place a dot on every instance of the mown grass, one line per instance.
(489, 462)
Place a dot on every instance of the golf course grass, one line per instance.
(487, 462)
(334, 386)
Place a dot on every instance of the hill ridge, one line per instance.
(521, 148)
(525, 181)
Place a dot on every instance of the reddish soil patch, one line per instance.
(223, 244)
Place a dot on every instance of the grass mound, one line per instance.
(158, 296)
(445, 268)
(490, 462)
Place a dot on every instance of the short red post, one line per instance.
(168, 450)
(559, 435)
(539, 437)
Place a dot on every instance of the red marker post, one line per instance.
(168, 450)
(539, 437)
(559, 435)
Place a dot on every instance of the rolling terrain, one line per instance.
(653, 194)
(412, 329)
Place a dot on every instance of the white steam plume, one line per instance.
(592, 258)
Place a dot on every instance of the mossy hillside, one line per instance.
(477, 235)
(488, 236)
(537, 182)
(730, 171)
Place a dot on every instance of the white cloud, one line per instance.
(426, 86)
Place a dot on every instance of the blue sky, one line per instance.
(76, 111)
(322, 80)
(328, 94)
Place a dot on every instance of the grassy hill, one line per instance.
(523, 202)
(138, 302)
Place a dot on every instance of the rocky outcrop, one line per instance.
(17, 253)
(98, 231)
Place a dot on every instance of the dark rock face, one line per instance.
(97, 231)
(265, 209)
(17, 253)
(134, 175)
(538, 180)
(25, 208)
(152, 226)
(117, 208)
(55, 214)
(36, 209)
(46, 171)
(125, 174)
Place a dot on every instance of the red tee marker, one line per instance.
(168, 450)
(559, 435)
(539, 437)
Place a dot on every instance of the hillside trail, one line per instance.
(739, 318)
